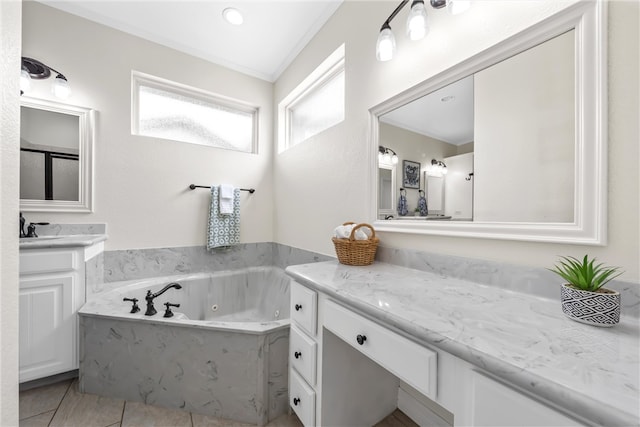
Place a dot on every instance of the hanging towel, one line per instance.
(403, 208)
(422, 204)
(226, 199)
(223, 230)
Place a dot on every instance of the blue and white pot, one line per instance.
(592, 308)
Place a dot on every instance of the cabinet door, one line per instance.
(495, 404)
(47, 326)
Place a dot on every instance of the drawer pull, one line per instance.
(298, 307)
(361, 339)
(296, 401)
(297, 354)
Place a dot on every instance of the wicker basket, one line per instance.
(356, 252)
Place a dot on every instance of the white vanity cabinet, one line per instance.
(52, 290)
(347, 368)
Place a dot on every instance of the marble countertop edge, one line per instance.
(52, 242)
(573, 399)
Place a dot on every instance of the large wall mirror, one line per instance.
(56, 156)
(511, 143)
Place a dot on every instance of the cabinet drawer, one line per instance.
(409, 361)
(302, 354)
(302, 399)
(303, 307)
(47, 262)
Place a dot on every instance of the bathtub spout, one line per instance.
(150, 297)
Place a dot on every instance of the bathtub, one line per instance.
(224, 352)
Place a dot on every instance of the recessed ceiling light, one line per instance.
(233, 16)
(448, 98)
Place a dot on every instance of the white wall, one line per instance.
(525, 122)
(10, 15)
(321, 182)
(141, 182)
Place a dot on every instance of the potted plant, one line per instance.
(584, 299)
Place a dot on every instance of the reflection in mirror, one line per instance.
(506, 135)
(386, 189)
(55, 156)
(527, 160)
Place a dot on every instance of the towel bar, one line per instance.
(193, 187)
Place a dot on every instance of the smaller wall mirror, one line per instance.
(56, 156)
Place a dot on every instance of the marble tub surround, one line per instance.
(223, 354)
(521, 338)
(143, 263)
(517, 278)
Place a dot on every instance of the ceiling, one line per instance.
(449, 120)
(272, 35)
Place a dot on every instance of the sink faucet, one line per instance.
(31, 228)
(150, 297)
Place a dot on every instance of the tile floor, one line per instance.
(61, 404)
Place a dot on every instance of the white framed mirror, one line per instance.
(56, 156)
(525, 150)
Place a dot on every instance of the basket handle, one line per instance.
(352, 236)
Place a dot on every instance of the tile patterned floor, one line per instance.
(61, 404)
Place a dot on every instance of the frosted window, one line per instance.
(31, 175)
(318, 110)
(194, 118)
(65, 178)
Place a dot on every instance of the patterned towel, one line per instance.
(223, 230)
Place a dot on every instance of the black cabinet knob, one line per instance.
(297, 354)
(296, 401)
(298, 307)
(361, 339)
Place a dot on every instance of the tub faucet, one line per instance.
(150, 297)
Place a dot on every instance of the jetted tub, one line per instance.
(224, 352)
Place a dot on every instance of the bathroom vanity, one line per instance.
(365, 340)
(52, 289)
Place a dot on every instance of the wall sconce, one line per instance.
(385, 155)
(438, 167)
(34, 69)
(417, 23)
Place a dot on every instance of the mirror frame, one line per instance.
(590, 196)
(86, 131)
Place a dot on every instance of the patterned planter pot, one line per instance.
(592, 308)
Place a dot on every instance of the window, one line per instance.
(315, 105)
(169, 110)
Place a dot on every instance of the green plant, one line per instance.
(584, 274)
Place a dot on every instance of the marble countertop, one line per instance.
(60, 241)
(522, 338)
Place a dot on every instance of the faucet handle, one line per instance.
(168, 312)
(31, 228)
(134, 308)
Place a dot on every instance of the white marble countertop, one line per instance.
(524, 339)
(58, 241)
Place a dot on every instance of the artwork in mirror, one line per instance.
(511, 141)
(56, 145)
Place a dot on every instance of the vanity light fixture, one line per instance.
(387, 155)
(438, 167)
(34, 69)
(417, 23)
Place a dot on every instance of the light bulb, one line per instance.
(394, 159)
(417, 26)
(456, 7)
(233, 16)
(380, 157)
(444, 170)
(386, 45)
(386, 157)
(25, 81)
(60, 87)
